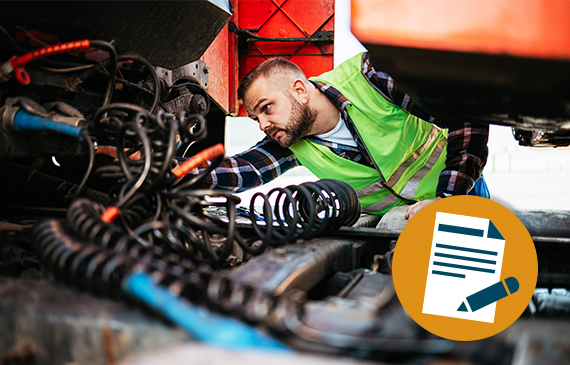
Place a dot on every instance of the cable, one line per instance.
(75, 80)
(116, 106)
(105, 46)
(152, 72)
(112, 212)
(70, 69)
(16, 63)
(21, 120)
(91, 148)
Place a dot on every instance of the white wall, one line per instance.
(345, 43)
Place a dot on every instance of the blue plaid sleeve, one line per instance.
(254, 167)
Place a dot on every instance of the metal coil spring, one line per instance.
(305, 211)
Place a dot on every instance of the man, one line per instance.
(352, 124)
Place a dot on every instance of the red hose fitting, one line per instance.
(21, 74)
(52, 50)
(19, 62)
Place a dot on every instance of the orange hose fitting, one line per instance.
(110, 214)
(194, 161)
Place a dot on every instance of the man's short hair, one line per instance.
(265, 69)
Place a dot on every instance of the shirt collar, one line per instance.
(334, 95)
(341, 102)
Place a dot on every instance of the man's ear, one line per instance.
(300, 90)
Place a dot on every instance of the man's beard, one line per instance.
(299, 125)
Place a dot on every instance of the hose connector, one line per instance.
(16, 119)
(16, 63)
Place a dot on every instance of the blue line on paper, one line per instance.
(466, 258)
(463, 267)
(448, 274)
(461, 230)
(459, 248)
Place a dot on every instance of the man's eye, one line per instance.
(265, 107)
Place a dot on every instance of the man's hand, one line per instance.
(414, 209)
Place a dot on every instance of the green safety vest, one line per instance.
(409, 152)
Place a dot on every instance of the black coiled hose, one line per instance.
(88, 266)
(140, 180)
(305, 211)
(102, 271)
(70, 260)
(84, 220)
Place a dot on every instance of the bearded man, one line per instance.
(353, 124)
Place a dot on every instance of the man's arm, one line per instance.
(466, 142)
(258, 165)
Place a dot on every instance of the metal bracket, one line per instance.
(318, 36)
(196, 71)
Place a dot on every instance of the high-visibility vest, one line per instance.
(409, 152)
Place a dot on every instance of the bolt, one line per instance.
(198, 104)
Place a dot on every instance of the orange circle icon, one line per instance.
(465, 268)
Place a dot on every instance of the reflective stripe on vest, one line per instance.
(412, 184)
(393, 180)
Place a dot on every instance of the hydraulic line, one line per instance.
(16, 64)
(146, 278)
(22, 120)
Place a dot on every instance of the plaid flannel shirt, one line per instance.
(466, 146)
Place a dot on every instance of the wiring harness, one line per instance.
(157, 222)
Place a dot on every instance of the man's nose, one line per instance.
(263, 123)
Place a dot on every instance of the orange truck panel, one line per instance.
(523, 28)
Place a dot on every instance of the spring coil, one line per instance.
(305, 211)
(184, 232)
(161, 130)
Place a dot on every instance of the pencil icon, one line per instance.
(490, 294)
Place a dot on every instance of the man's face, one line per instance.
(281, 117)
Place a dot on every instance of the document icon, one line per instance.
(466, 257)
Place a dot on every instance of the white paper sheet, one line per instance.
(466, 256)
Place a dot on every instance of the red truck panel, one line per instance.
(229, 60)
(286, 19)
